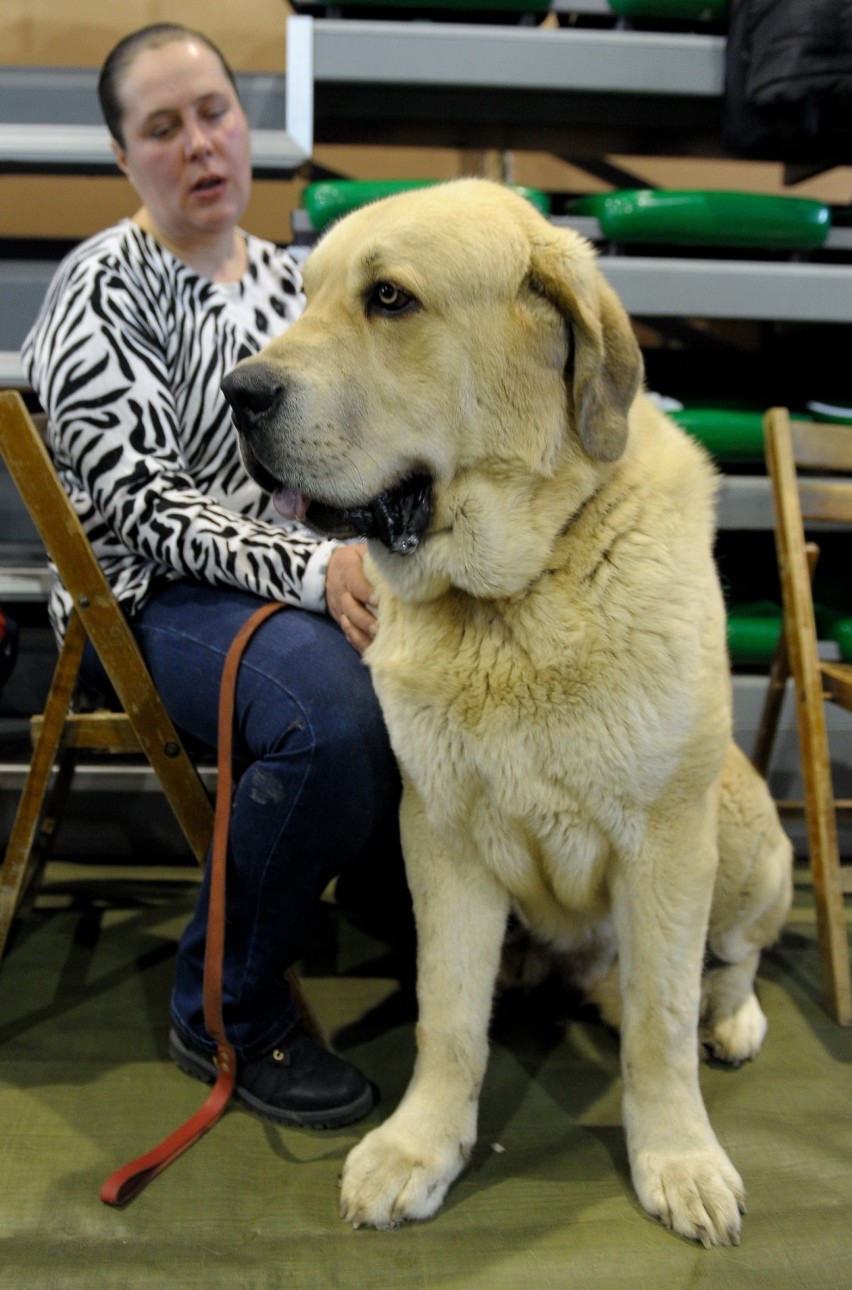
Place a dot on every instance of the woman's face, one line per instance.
(187, 149)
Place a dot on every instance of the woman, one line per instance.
(140, 325)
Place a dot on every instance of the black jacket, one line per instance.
(788, 82)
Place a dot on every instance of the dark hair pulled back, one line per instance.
(125, 53)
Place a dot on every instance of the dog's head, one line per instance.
(460, 378)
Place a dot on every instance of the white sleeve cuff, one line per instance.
(313, 580)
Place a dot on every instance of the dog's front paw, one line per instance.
(700, 1195)
(391, 1177)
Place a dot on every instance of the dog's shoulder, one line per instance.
(668, 459)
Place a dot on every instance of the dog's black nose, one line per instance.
(252, 392)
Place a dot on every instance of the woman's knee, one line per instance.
(319, 692)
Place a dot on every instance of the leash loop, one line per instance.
(128, 1181)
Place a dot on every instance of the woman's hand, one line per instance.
(349, 594)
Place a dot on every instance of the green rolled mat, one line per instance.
(836, 625)
(461, 6)
(835, 412)
(682, 217)
(729, 434)
(754, 629)
(736, 434)
(842, 633)
(688, 10)
(330, 199)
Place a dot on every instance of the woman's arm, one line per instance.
(128, 369)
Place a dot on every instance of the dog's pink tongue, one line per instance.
(290, 504)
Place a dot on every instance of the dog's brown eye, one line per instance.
(387, 298)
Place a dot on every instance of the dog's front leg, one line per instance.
(661, 900)
(402, 1170)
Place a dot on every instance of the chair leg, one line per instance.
(17, 865)
(825, 863)
(779, 674)
(55, 799)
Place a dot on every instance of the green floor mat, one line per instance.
(85, 1083)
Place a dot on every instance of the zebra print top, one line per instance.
(126, 357)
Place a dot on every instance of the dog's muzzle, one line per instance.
(398, 516)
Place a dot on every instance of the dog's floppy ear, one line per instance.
(605, 366)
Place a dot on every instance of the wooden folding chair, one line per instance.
(60, 732)
(794, 448)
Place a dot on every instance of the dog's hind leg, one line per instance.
(402, 1170)
(751, 900)
(732, 1026)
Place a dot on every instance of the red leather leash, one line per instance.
(128, 1181)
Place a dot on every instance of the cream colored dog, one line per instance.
(463, 389)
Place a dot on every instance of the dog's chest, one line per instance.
(473, 713)
(483, 735)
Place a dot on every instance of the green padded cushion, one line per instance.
(835, 412)
(736, 434)
(462, 6)
(731, 434)
(330, 199)
(842, 633)
(708, 218)
(753, 631)
(689, 10)
(835, 625)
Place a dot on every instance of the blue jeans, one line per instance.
(318, 788)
